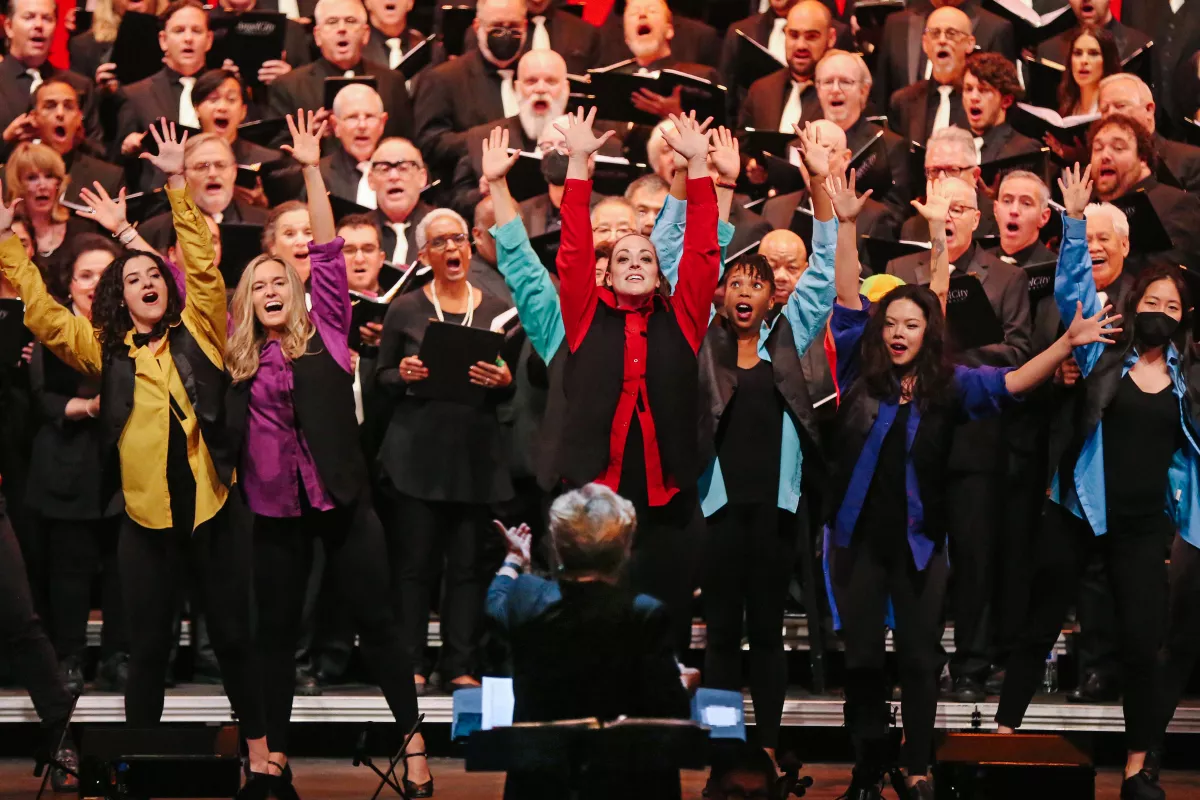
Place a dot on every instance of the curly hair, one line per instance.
(755, 266)
(1068, 88)
(59, 277)
(110, 317)
(996, 71)
(1143, 138)
(932, 369)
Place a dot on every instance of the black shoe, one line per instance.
(865, 784)
(967, 690)
(307, 684)
(995, 681)
(1142, 786)
(71, 672)
(1094, 689)
(921, 790)
(416, 790)
(113, 674)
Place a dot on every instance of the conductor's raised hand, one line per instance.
(170, 149)
(581, 139)
(1076, 189)
(689, 138)
(846, 203)
(497, 161)
(306, 137)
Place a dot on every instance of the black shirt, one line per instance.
(884, 517)
(750, 436)
(1141, 434)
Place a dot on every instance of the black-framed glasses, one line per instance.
(405, 168)
(440, 244)
(937, 173)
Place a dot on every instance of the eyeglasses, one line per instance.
(336, 22)
(608, 230)
(505, 30)
(440, 244)
(205, 166)
(958, 209)
(367, 250)
(951, 34)
(841, 83)
(937, 173)
(361, 117)
(405, 168)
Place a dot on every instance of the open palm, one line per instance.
(306, 137)
(170, 149)
(846, 203)
(496, 160)
(581, 139)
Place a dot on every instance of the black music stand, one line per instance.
(362, 756)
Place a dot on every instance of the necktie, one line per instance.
(979, 148)
(394, 54)
(1008, 260)
(942, 118)
(218, 217)
(37, 79)
(764, 6)
(289, 8)
(187, 112)
(508, 96)
(365, 196)
(777, 39)
(792, 109)
(400, 254)
(928, 70)
(541, 37)
(1176, 5)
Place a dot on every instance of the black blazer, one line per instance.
(900, 61)
(377, 50)
(1038, 254)
(578, 42)
(763, 107)
(442, 114)
(159, 230)
(541, 215)
(341, 174)
(896, 162)
(145, 102)
(1180, 216)
(410, 233)
(1001, 141)
(15, 98)
(305, 88)
(694, 42)
(1176, 38)
(1181, 162)
(912, 109)
(84, 170)
(469, 169)
(87, 54)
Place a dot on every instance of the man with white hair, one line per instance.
(1022, 210)
(341, 31)
(1126, 93)
(951, 153)
(542, 95)
(975, 473)
(358, 123)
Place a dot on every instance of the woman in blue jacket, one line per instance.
(900, 400)
(1124, 482)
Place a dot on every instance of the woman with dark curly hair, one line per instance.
(900, 399)
(160, 363)
(1092, 57)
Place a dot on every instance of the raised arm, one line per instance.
(848, 205)
(529, 281)
(935, 210)
(699, 267)
(71, 338)
(1093, 331)
(814, 166)
(110, 214)
(726, 157)
(577, 253)
(306, 149)
(1073, 280)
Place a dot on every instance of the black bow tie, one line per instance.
(142, 339)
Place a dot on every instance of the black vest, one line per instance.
(205, 384)
(323, 396)
(718, 378)
(592, 387)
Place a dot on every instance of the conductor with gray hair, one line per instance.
(583, 644)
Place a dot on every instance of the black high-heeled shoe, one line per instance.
(416, 790)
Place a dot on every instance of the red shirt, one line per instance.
(699, 270)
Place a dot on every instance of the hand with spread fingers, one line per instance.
(1076, 189)
(847, 204)
(497, 161)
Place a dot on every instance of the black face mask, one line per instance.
(554, 168)
(1153, 328)
(504, 44)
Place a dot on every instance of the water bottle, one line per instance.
(1050, 678)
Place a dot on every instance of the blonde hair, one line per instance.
(591, 530)
(241, 356)
(27, 159)
(106, 21)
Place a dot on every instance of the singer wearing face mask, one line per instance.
(1125, 480)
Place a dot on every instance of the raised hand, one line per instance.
(846, 203)
(306, 138)
(8, 214)
(170, 149)
(496, 159)
(107, 212)
(936, 208)
(689, 138)
(1096, 328)
(519, 540)
(814, 153)
(725, 154)
(1076, 189)
(581, 140)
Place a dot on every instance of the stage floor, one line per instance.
(324, 779)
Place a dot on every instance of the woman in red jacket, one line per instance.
(631, 379)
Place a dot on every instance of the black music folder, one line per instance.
(451, 24)
(448, 351)
(969, 315)
(241, 243)
(756, 143)
(1036, 162)
(135, 51)
(1035, 122)
(336, 84)
(612, 93)
(1041, 282)
(1041, 77)
(13, 333)
(1030, 27)
(418, 58)
(249, 40)
(754, 60)
(365, 308)
(1146, 231)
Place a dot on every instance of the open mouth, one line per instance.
(150, 298)
(1108, 173)
(390, 6)
(898, 348)
(453, 264)
(974, 112)
(213, 186)
(394, 191)
(743, 312)
(644, 29)
(1099, 257)
(342, 44)
(187, 52)
(541, 106)
(837, 102)
(635, 278)
(220, 123)
(273, 306)
(942, 53)
(42, 197)
(38, 40)
(1086, 10)
(1012, 227)
(60, 131)
(949, 232)
(300, 253)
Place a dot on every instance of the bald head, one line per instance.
(786, 254)
(542, 90)
(833, 139)
(355, 97)
(359, 120)
(809, 33)
(541, 62)
(947, 42)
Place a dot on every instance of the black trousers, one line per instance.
(79, 549)
(862, 580)
(973, 520)
(1183, 631)
(667, 559)
(1133, 551)
(356, 557)
(155, 566)
(428, 538)
(748, 558)
(21, 636)
(1096, 644)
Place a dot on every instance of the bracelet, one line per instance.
(514, 562)
(128, 235)
(309, 164)
(87, 409)
(117, 234)
(727, 184)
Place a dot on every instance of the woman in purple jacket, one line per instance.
(302, 476)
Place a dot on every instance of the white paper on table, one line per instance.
(497, 703)
(720, 716)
